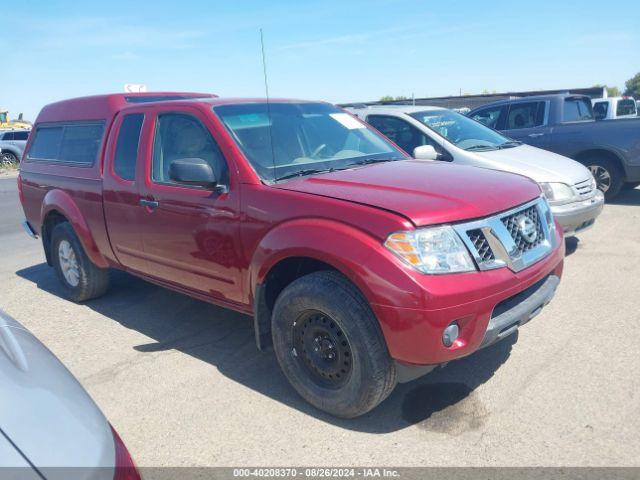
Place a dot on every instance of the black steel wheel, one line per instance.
(329, 345)
(322, 348)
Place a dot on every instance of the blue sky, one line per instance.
(331, 50)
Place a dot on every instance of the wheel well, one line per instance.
(52, 219)
(278, 278)
(583, 157)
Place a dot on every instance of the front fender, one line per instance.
(356, 254)
(61, 202)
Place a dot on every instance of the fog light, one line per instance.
(450, 334)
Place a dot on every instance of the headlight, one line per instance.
(431, 250)
(557, 192)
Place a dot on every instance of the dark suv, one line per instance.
(566, 124)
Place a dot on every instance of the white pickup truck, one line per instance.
(434, 133)
(614, 107)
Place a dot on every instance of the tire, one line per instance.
(9, 158)
(363, 372)
(630, 185)
(603, 169)
(89, 281)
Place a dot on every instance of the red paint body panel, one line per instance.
(219, 246)
(426, 192)
(468, 298)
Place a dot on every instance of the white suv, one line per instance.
(433, 133)
(12, 143)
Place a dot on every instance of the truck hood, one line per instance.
(540, 165)
(425, 192)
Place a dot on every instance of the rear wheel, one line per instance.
(608, 175)
(330, 347)
(80, 278)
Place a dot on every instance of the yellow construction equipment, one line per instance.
(5, 122)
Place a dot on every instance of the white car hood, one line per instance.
(540, 165)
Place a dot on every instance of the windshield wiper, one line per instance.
(510, 144)
(301, 173)
(481, 147)
(371, 160)
(311, 171)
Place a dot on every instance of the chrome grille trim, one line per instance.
(585, 188)
(481, 245)
(511, 222)
(506, 247)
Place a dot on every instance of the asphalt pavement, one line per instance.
(183, 384)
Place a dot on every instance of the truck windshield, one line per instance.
(284, 140)
(462, 131)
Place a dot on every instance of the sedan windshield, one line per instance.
(284, 140)
(462, 131)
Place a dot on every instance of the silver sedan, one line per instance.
(49, 426)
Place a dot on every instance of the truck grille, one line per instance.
(586, 188)
(481, 244)
(513, 226)
(515, 239)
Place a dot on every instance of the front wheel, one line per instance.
(8, 159)
(608, 175)
(80, 278)
(330, 347)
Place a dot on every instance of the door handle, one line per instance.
(149, 203)
(535, 135)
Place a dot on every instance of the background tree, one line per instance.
(611, 91)
(632, 86)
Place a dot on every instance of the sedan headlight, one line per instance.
(548, 215)
(557, 192)
(431, 250)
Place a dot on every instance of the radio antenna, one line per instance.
(266, 89)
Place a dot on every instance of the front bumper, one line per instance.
(508, 315)
(476, 302)
(578, 216)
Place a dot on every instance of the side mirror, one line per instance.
(425, 152)
(192, 171)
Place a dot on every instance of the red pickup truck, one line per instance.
(361, 266)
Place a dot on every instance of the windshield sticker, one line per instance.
(442, 123)
(347, 120)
